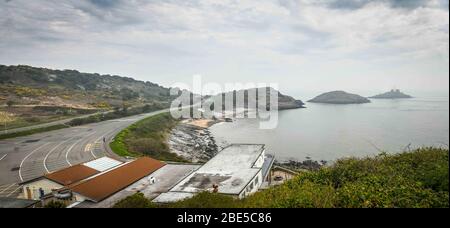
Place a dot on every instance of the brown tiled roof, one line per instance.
(105, 185)
(72, 175)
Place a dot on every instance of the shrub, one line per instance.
(147, 137)
(55, 204)
(135, 201)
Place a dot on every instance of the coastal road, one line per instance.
(26, 158)
(54, 123)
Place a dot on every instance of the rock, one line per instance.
(340, 97)
(193, 143)
(308, 164)
(393, 94)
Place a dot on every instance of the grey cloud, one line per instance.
(219, 38)
(406, 4)
(115, 12)
(105, 3)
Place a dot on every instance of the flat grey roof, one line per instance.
(16, 203)
(172, 197)
(231, 169)
(267, 166)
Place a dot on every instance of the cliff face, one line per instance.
(393, 94)
(339, 97)
(288, 102)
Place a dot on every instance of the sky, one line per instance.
(305, 46)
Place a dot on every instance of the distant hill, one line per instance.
(393, 94)
(340, 97)
(28, 85)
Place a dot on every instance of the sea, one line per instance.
(326, 132)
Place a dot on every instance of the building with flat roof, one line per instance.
(238, 170)
(92, 181)
(100, 187)
(36, 188)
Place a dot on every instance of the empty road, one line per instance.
(26, 158)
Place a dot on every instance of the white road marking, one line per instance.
(10, 194)
(3, 157)
(51, 151)
(87, 147)
(3, 186)
(71, 147)
(32, 152)
(92, 153)
(4, 190)
(96, 141)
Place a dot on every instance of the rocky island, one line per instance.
(393, 94)
(339, 97)
(285, 102)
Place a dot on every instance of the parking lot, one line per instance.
(10, 190)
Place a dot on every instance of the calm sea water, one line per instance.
(329, 132)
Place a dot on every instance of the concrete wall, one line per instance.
(33, 188)
(260, 161)
(253, 186)
(78, 197)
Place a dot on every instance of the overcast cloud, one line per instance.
(304, 45)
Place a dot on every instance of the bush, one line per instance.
(55, 204)
(10, 103)
(147, 137)
(33, 119)
(135, 201)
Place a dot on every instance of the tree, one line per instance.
(10, 103)
(55, 204)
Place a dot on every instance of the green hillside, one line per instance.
(31, 85)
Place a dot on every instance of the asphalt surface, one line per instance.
(29, 157)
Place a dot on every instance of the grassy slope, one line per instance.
(28, 116)
(147, 137)
(414, 179)
(33, 131)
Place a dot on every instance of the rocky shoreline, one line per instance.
(307, 165)
(194, 143)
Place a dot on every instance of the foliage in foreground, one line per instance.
(416, 179)
(55, 205)
(147, 137)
